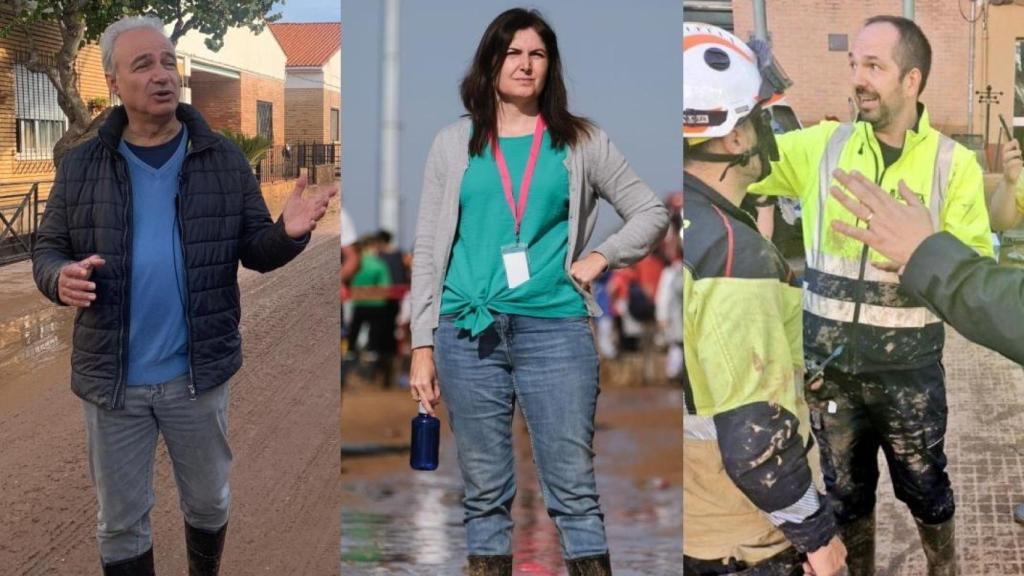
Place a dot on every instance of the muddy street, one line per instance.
(397, 521)
(985, 393)
(283, 427)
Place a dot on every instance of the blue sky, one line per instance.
(309, 10)
(623, 70)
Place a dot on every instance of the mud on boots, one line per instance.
(939, 543)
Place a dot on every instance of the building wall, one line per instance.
(332, 72)
(996, 53)
(259, 54)
(18, 175)
(304, 114)
(799, 32)
(257, 87)
(310, 95)
(218, 99)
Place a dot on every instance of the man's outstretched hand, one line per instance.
(302, 212)
(894, 230)
(74, 288)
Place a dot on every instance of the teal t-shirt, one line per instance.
(476, 285)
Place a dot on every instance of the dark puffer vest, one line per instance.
(223, 221)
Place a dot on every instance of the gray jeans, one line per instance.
(122, 450)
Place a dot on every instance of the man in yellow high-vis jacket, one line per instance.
(886, 390)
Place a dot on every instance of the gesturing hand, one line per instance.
(894, 230)
(301, 213)
(1012, 162)
(73, 285)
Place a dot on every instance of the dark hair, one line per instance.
(477, 88)
(384, 237)
(913, 50)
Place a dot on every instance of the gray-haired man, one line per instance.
(143, 233)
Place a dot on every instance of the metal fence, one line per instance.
(20, 213)
(284, 162)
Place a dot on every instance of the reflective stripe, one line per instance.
(940, 178)
(798, 511)
(829, 162)
(848, 268)
(699, 427)
(870, 315)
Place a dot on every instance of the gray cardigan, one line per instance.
(596, 170)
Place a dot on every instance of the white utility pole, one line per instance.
(389, 122)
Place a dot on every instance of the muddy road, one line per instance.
(283, 426)
(397, 521)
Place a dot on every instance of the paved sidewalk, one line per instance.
(986, 463)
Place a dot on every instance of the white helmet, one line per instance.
(722, 81)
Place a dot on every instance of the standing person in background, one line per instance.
(500, 287)
(395, 262)
(1006, 207)
(349, 254)
(371, 287)
(143, 233)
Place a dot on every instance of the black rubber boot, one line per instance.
(490, 566)
(939, 543)
(204, 550)
(141, 565)
(859, 538)
(590, 566)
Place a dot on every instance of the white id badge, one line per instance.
(517, 268)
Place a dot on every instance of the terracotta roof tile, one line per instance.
(308, 43)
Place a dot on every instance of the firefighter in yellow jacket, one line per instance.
(886, 389)
(751, 503)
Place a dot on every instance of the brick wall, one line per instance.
(308, 113)
(304, 113)
(218, 99)
(799, 33)
(255, 88)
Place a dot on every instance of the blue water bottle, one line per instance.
(426, 438)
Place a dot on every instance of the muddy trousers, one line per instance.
(903, 412)
(122, 451)
(549, 368)
(786, 563)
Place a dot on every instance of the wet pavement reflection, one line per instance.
(34, 337)
(397, 521)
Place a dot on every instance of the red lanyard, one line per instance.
(524, 186)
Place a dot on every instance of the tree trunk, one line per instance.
(64, 77)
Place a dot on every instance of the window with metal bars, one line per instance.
(39, 121)
(265, 119)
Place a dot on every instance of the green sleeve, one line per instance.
(983, 301)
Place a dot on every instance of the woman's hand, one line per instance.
(423, 379)
(587, 269)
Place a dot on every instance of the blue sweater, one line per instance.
(158, 332)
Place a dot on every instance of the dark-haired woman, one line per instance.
(500, 298)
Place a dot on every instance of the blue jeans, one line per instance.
(550, 367)
(122, 450)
